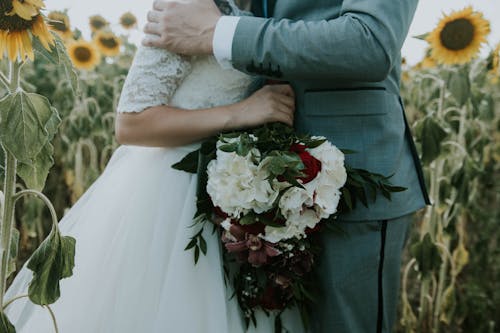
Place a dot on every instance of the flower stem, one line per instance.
(8, 219)
(8, 208)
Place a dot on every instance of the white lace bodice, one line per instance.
(158, 77)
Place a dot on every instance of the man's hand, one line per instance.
(184, 27)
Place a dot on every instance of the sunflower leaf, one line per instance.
(5, 324)
(52, 261)
(51, 55)
(422, 36)
(432, 135)
(24, 122)
(67, 65)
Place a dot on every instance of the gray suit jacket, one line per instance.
(343, 59)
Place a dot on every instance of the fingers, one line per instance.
(152, 41)
(287, 101)
(160, 5)
(152, 29)
(154, 16)
(284, 89)
(285, 116)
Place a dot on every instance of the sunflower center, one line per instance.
(12, 22)
(98, 24)
(128, 21)
(82, 54)
(108, 42)
(457, 34)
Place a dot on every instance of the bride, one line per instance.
(132, 273)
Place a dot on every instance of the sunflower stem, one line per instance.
(5, 81)
(7, 220)
(8, 208)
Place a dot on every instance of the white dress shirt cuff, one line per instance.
(223, 40)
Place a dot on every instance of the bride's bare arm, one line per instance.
(166, 126)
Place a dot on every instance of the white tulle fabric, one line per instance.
(132, 273)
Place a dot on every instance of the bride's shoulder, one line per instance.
(154, 57)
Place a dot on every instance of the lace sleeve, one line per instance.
(152, 80)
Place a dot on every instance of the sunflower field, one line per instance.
(65, 94)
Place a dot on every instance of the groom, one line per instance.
(342, 58)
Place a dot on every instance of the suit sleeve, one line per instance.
(362, 44)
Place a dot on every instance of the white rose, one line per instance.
(327, 201)
(265, 192)
(230, 184)
(293, 201)
(295, 227)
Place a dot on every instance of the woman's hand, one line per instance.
(167, 126)
(272, 103)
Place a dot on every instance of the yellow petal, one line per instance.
(24, 10)
(27, 46)
(37, 3)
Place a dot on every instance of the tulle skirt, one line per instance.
(131, 271)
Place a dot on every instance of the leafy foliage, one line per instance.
(51, 262)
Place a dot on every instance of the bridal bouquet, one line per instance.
(270, 192)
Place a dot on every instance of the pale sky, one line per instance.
(427, 16)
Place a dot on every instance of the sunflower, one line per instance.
(97, 22)
(128, 20)
(59, 22)
(108, 43)
(458, 37)
(84, 55)
(19, 21)
(494, 64)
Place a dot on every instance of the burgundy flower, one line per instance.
(272, 299)
(220, 213)
(258, 249)
(312, 166)
(282, 281)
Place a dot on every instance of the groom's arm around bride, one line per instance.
(343, 59)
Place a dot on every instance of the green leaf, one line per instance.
(229, 148)
(58, 55)
(432, 135)
(14, 247)
(51, 55)
(196, 255)
(191, 244)
(459, 86)
(427, 255)
(422, 37)
(189, 163)
(25, 121)
(248, 219)
(66, 64)
(203, 245)
(346, 197)
(5, 324)
(35, 174)
(52, 261)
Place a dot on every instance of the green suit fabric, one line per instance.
(343, 59)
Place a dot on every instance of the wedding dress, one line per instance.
(131, 227)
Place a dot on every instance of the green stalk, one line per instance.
(7, 219)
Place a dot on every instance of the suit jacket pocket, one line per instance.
(349, 102)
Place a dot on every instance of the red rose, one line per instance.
(312, 166)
